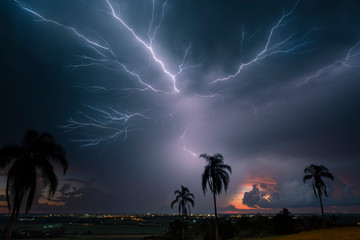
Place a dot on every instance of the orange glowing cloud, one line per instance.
(265, 184)
(50, 202)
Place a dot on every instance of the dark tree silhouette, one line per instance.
(24, 161)
(283, 222)
(216, 177)
(317, 172)
(183, 198)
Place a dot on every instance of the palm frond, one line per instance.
(190, 200)
(55, 152)
(307, 177)
(30, 138)
(216, 174)
(48, 177)
(173, 202)
(183, 197)
(218, 156)
(189, 195)
(8, 188)
(327, 175)
(314, 188)
(35, 152)
(205, 178)
(224, 166)
(316, 172)
(9, 153)
(204, 155)
(31, 194)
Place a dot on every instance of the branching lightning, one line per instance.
(113, 123)
(104, 123)
(343, 63)
(149, 46)
(287, 45)
(106, 55)
(110, 123)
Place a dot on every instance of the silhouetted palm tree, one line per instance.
(215, 176)
(317, 172)
(24, 161)
(183, 197)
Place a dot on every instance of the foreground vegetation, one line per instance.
(341, 233)
(259, 226)
(196, 227)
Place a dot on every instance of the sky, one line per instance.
(135, 91)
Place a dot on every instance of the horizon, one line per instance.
(136, 91)
(176, 214)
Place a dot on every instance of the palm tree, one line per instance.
(215, 176)
(24, 161)
(317, 172)
(183, 197)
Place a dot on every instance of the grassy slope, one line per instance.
(343, 233)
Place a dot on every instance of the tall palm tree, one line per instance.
(216, 176)
(183, 197)
(25, 161)
(317, 172)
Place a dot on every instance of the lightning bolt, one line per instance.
(71, 29)
(103, 123)
(146, 45)
(182, 141)
(107, 55)
(342, 64)
(112, 124)
(270, 48)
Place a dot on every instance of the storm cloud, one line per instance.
(273, 86)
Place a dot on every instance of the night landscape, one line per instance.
(164, 119)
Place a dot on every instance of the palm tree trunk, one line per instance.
(182, 227)
(322, 210)
(216, 219)
(11, 224)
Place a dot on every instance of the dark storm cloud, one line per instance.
(70, 198)
(269, 119)
(288, 194)
(321, 124)
(296, 194)
(255, 198)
